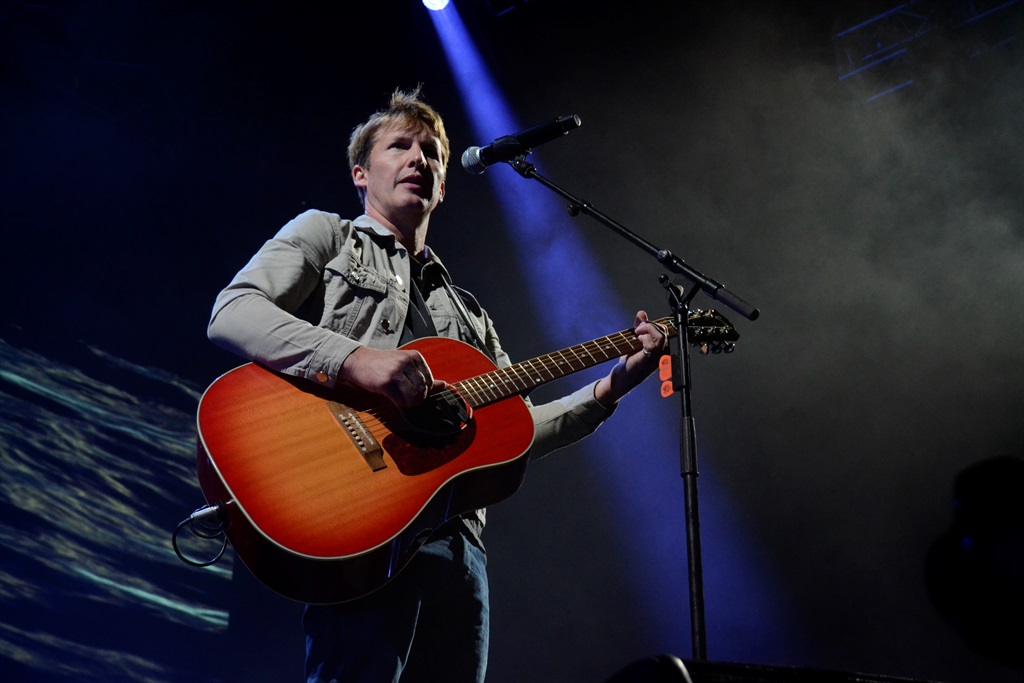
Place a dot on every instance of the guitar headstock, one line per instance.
(709, 330)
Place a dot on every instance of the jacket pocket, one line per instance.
(356, 299)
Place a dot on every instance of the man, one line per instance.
(331, 300)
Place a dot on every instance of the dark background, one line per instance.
(148, 149)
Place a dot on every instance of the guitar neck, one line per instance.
(516, 379)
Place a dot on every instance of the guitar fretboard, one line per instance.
(515, 379)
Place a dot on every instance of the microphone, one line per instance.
(477, 159)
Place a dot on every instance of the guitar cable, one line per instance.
(208, 522)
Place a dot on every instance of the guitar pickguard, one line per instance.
(442, 416)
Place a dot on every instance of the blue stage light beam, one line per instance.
(646, 491)
(544, 246)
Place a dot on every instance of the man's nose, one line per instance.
(417, 157)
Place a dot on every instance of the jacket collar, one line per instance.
(373, 226)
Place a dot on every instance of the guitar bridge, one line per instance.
(359, 434)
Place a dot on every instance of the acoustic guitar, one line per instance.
(326, 494)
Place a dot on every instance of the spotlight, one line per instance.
(435, 5)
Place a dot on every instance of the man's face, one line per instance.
(404, 177)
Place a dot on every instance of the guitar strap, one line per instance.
(419, 323)
(460, 306)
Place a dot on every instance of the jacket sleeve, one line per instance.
(566, 420)
(254, 316)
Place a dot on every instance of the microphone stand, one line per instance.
(680, 296)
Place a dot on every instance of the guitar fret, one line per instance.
(513, 380)
(582, 363)
(584, 348)
(602, 346)
(562, 362)
(540, 377)
(478, 390)
(489, 386)
(506, 386)
(557, 365)
(466, 392)
(627, 344)
(478, 395)
(545, 365)
(516, 369)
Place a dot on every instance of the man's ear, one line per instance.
(440, 193)
(358, 176)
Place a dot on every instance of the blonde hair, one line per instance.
(406, 108)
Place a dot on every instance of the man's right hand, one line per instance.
(402, 376)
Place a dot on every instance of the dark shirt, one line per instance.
(425, 277)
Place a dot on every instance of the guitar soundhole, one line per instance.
(440, 418)
(431, 435)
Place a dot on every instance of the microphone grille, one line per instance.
(472, 162)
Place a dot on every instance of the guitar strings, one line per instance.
(481, 390)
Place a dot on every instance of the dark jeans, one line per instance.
(430, 623)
